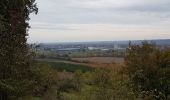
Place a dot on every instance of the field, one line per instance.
(100, 60)
(69, 67)
(84, 64)
(76, 85)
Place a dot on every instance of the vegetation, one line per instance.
(61, 66)
(15, 57)
(148, 68)
(146, 74)
(51, 54)
(103, 84)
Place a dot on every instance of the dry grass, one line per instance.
(108, 62)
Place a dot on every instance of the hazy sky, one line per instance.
(100, 20)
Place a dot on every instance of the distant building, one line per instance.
(117, 47)
(69, 49)
(98, 48)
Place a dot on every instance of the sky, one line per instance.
(100, 20)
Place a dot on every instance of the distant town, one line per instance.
(103, 46)
(89, 49)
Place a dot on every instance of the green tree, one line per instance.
(148, 68)
(15, 57)
(44, 80)
(102, 83)
(78, 80)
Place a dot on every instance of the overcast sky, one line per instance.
(100, 20)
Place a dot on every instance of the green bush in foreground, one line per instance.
(148, 68)
(102, 84)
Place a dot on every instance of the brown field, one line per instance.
(112, 62)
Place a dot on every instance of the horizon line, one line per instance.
(97, 41)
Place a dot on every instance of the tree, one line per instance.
(14, 52)
(78, 80)
(102, 81)
(44, 80)
(148, 68)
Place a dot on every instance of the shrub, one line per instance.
(148, 69)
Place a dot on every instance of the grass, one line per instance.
(61, 66)
(104, 60)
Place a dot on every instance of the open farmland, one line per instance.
(100, 60)
(93, 62)
(66, 66)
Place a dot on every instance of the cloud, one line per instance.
(141, 5)
(102, 11)
(49, 26)
(99, 32)
(76, 17)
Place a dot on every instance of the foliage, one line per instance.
(148, 68)
(110, 85)
(14, 53)
(44, 77)
(78, 80)
(55, 54)
(102, 84)
(44, 81)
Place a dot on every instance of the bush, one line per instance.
(148, 68)
(44, 78)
